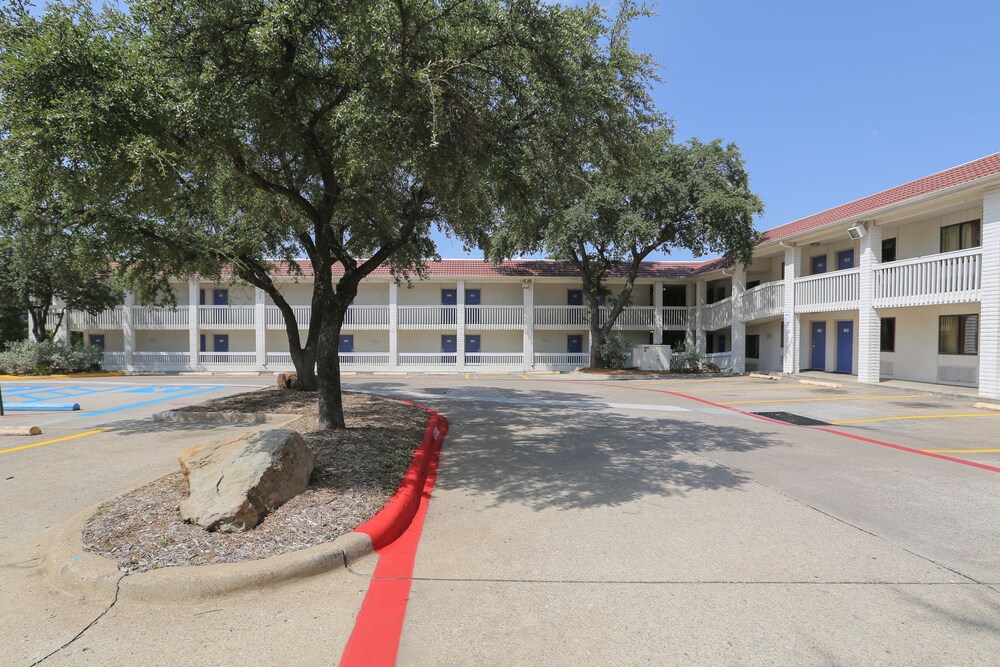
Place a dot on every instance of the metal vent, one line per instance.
(957, 375)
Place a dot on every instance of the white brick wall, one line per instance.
(989, 326)
(791, 328)
(738, 328)
(869, 322)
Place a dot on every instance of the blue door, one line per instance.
(220, 342)
(97, 340)
(574, 297)
(473, 315)
(449, 348)
(819, 264)
(346, 343)
(818, 346)
(472, 346)
(574, 345)
(220, 297)
(449, 297)
(201, 344)
(845, 346)
(845, 259)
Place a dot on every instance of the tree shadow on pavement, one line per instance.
(554, 457)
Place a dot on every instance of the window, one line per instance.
(889, 250)
(888, 337)
(752, 284)
(753, 346)
(958, 334)
(961, 236)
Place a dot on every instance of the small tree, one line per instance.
(692, 195)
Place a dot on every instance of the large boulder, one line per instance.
(236, 483)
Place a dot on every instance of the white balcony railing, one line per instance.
(348, 359)
(561, 359)
(113, 360)
(161, 358)
(562, 317)
(276, 359)
(632, 317)
(144, 317)
(837, 290)
(428, 359)
(494, 318)
(275, 320)
(229, 358)
(718, 315)
(369, 318)
(494, 359)
(952, 277)
(766, 300)
(676, 317)
(226, 317)
(724, 360)
(427, 317)
(105, 320)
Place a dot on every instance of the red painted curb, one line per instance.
(393, 519)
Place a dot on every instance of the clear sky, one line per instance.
(828, 101)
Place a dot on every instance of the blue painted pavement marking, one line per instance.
(170, 397)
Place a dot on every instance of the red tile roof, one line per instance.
(964, 173)
(532, 268)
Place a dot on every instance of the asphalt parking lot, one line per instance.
(581, 520)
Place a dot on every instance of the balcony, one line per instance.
(275, 320)
(228, 358)
(825, 292)
(144, 317)
(952, 277)
(357, 318)
(427, 317)
(556, 359)
(494, 318)
(226, 317)
(635, 318)
(718, 315)
(766, 300)
(496, 359)
(106, 320)
(562, 317)
(161, 359)
(676, 317)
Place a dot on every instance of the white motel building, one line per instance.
(903, 284)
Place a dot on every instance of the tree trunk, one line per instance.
(331, 404)
(304, 360)
(39, 315)
(596, 338)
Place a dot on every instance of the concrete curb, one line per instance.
(762, 376)
(987, 406)
(73, 569)
(192, 417)
(817, 383)
(20, 430)
(66, 376)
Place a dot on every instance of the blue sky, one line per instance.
(828, 101)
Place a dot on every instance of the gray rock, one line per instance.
(235, 484)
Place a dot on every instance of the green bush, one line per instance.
(684, 359)
(615, 351)
(30, 358)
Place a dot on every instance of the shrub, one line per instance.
(615, 351)
(30, 358)
(684, 359)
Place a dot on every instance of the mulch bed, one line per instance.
(357, 471)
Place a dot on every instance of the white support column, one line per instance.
(869, 322)
(62, 335)
(701, 289)
(657, 313)
(393, 325)
(738, 329)
(791, 331)
(260, 327)
(528, 341)
(989, 314)
(460, 325)
(194, 335)
(128, 331)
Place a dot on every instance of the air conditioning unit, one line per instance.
(857, 232)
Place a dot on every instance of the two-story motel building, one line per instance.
(903, 284)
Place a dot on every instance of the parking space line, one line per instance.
(961, 451)
(170, 397)
(905, 417)
(51, 442)
(831, 398)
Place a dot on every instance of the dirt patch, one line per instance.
(357, 470)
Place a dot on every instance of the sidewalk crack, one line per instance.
(118, 585)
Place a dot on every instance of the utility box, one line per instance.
(651, 357)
